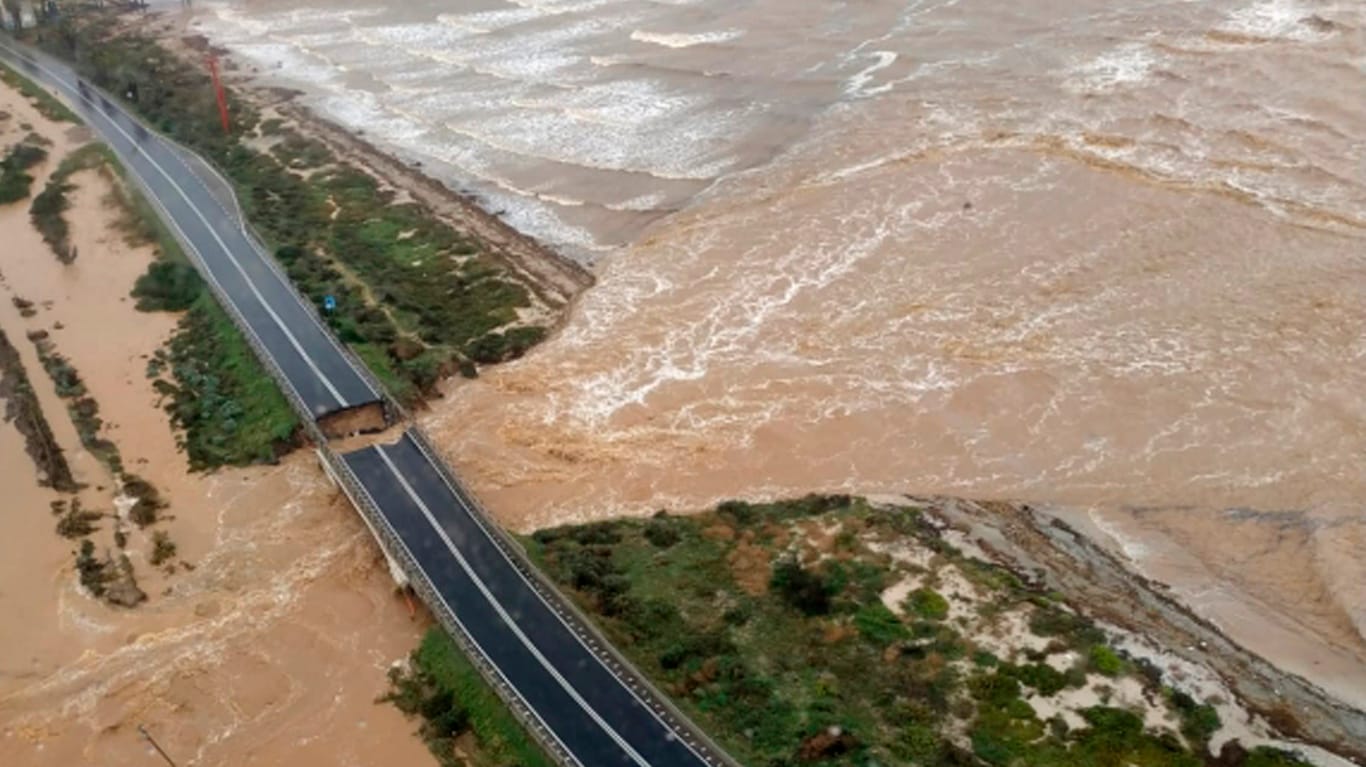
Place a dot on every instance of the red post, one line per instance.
(218, 92)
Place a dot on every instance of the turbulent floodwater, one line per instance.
(1109, 256)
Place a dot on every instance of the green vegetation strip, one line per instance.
(85, 415)
(43, 101)
(24, 411)
(228, 408)
(416, 299)
(48, 210)
(770, 629)
(446, 691)
(230, 411)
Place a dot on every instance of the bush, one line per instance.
(167, 286)
(93, 572)
(1042, 677)
(800, 588)
(15, 182)
(163, 548)
(662, 532)
(928, 604)
(77, 522)
(1198, 722)
(1105, 661)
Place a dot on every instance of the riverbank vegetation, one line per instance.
(228, 409)
(414, 298)
(463, 721)
(48, 210)
(24, 411)
(830, 631)
(15, 182)
(46, 104)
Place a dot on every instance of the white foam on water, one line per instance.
(645, 202)
(1124, 65)
(1275, 20)
(857, 85)
(686, 40)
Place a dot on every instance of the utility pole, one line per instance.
(148, 736)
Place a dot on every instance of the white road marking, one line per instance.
(327, 383)
(653, 709)
(502, 613)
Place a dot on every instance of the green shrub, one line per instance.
(662, 532)
(1198, 721)
(801, 588)
(77, 522)
(928, 604)
(93, 573)
(167, 286)
(1042, 677)
(15, 182)
(163, 548)
(1105, 661)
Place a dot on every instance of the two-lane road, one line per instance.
(590, 709)
(587, 705)
(308, 355)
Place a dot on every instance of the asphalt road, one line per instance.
(588, 708)
(584, 701)
(317, 369)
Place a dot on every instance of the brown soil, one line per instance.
(363, 419)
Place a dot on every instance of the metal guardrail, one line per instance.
(228, 192)
(394, 546)
(579, 623)
(390, 543)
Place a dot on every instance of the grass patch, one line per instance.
(445, 690)
(42, 100)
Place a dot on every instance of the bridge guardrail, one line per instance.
(579, 623)
(395, 547)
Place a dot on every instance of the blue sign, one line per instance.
(329, 303)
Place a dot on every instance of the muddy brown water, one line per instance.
(1103, 256)
(272, 650)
